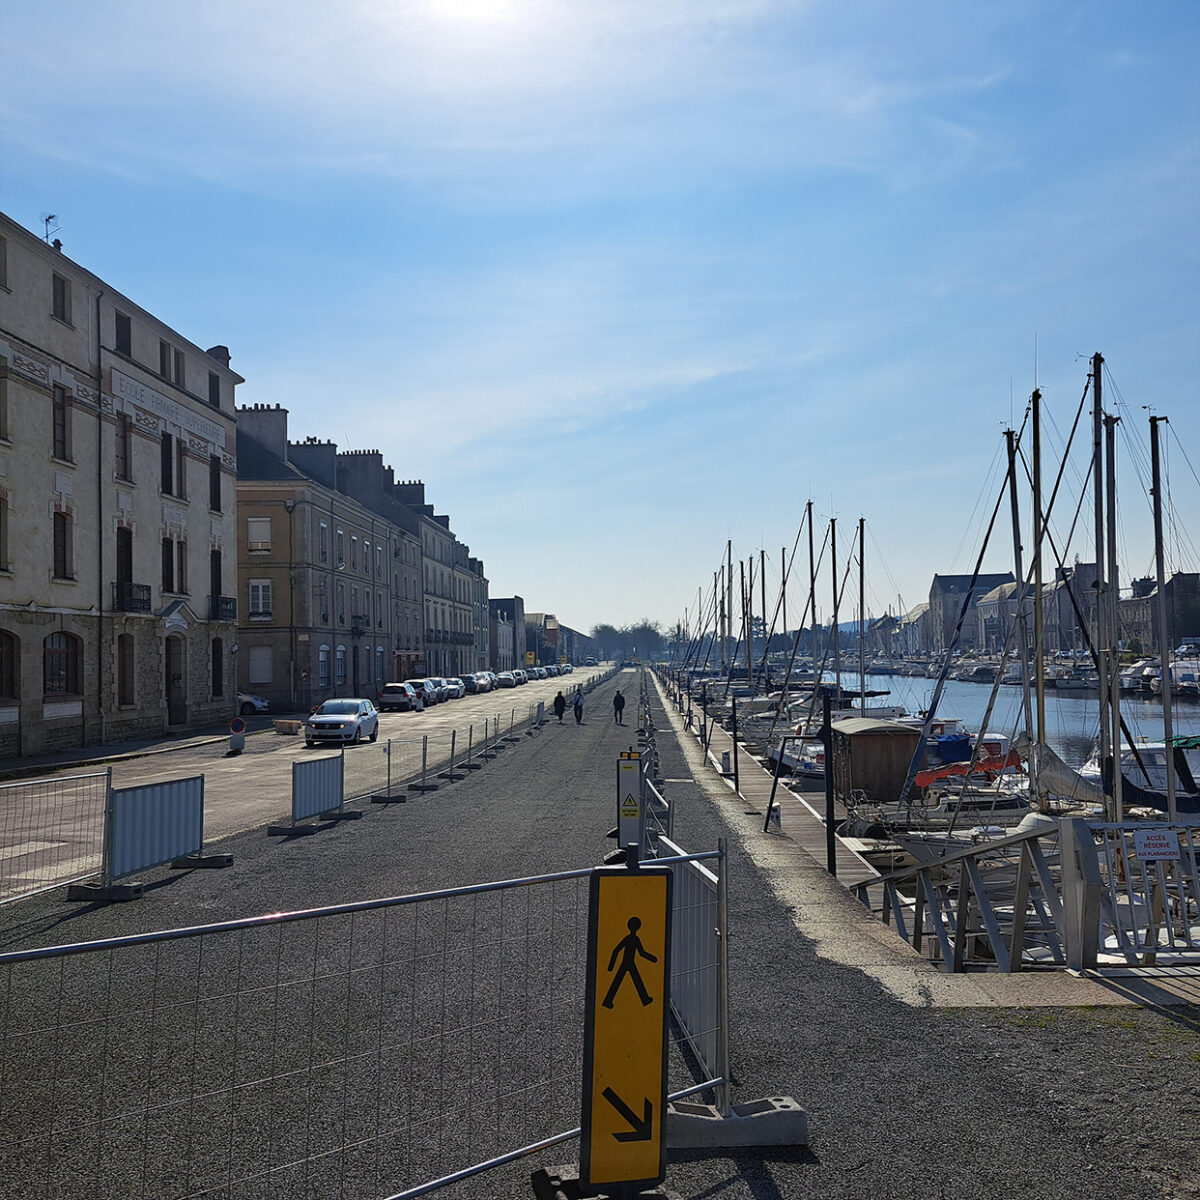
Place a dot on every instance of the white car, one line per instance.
(342, 721)
(249, 704)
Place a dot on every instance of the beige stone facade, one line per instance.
(117, 493)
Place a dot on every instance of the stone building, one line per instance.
(329, 568)
(450, 587)
(506, 612)
(117, 466)
(947, 596)
(1139, 613)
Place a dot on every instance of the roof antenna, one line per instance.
(47, 221)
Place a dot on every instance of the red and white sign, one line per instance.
(1160, 844)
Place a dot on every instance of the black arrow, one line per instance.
(641, 1128)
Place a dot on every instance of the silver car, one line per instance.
(342, 721)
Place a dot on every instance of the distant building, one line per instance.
(1139, 613)
(511, 611)
(949, 596)
(118, 615)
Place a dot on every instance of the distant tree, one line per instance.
(607, 640)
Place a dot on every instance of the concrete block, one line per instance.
(775, 1121)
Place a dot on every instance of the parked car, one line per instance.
(248, 704)
(589, 661)
(567, 668)
(484, 681)
(520, 676)
(470, 682)
(506, 679)
(456, 689)
(428, 691)
(342, 721)
(402, 697)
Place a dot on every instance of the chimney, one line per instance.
(220, 353)
(266, 425)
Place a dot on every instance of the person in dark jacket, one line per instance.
(560, 706)
(578, 705)
(619, 709)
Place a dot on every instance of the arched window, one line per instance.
(61, 665)
(10, 660)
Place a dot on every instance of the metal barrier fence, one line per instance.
(384, 1048)
(51, 832)
(1132, 891)
(151, 825)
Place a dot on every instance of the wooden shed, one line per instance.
(872, 757)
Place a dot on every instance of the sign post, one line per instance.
(625, 1038)
(629, 799)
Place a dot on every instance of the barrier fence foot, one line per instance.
(202, 862)
(340, 814)
(775, 1121)
(449, 776)
(472, 766)
(289, 830)
(422, 787)
(97, 893)
(562, 1183)
(385, 798)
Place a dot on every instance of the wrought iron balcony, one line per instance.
(131, 597)
(222, 608)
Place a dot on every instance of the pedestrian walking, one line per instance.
(560, 706)
(619, 708)
(578, 706)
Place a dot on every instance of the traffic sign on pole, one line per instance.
(625, 1042)
(629, 799)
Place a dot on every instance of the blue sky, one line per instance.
(621, 281)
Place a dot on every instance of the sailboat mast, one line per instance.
(862, 618)
(1038, 614)
(812, 584)
(783, 574)
(1112, 681)
(1164, 634)
(833, 571)
(1018, 563)
(1101, 638)
(762, 587)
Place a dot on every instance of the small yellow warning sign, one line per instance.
(630, 807)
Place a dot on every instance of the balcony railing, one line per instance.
(222, 608)
(131, 597)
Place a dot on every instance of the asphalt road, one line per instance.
(903, 1102)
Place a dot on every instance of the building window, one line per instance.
(323, 604)
(4, 566)
(63, 556)
(166, 359)
(214, 389)
(4, 399)
(123, 445)
(260, 667)
(379, 561)
(178, 374)
(218, 668)
(379, 663)
(379, 610)
(168, 565)
(258, 535)
(214, 482)
(340, 667)
(3, 262)
(323, 667)
(61, 423)
(125, 669)
(323, 542)
(124, 335)
(61, 304)
(354, 613)
(60, 665)
(181, 556)
(341, 548)
(366, 556)
(354, 554)
(214, 575)
(8, 665)
(260, 599)
(181, 468)
(341, 604)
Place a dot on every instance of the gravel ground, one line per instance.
(903, 1102)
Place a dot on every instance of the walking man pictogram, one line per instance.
(629, 947)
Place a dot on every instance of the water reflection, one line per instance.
(1072, 722)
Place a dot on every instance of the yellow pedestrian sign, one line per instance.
(625, 1045)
